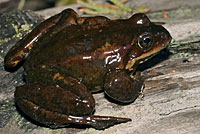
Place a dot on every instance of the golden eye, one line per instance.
(145, 41)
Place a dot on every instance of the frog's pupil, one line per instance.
(147, 40)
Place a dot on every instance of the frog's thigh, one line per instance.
(22, 48)
(56, 82)
(121, 87)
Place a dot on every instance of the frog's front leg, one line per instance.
(122, 87)
(56, 106)
(51, 26)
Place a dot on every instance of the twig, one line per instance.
(98, 8)
(21, 4)
(121, 5)
(92, 8)
(179, 43)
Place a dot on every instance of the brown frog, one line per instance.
(67, 57)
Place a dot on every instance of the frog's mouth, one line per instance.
(144, 57)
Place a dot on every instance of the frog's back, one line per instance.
(79, 41)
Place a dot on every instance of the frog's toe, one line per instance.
(102, 122)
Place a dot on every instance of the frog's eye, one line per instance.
(145, 41)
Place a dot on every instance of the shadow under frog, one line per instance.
(68, 57)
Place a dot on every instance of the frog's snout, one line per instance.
(166, 38)
(163, 37)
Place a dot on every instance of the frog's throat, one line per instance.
(142, 58)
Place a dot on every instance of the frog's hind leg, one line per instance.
(54, 24)
(56, 106)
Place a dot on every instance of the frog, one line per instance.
(69, 57)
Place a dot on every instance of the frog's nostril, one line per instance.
(167, 36)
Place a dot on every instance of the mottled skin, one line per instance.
(66, 57)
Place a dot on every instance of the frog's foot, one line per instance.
(102, 122)
(122, 87)
(57, 107)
